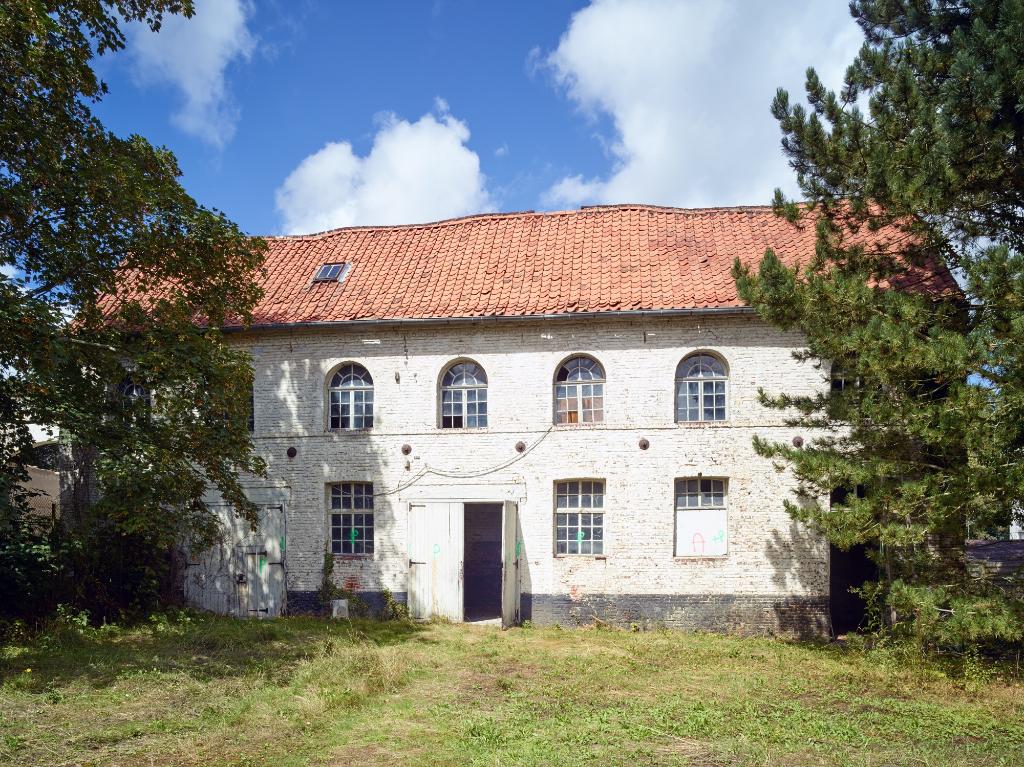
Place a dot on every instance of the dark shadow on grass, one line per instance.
(202, 647)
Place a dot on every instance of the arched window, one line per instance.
(700, 389)
(579, 391)
(840, 378)
(350, 398)
(132, 392)
(464, 397)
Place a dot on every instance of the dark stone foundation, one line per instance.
(727, 613)
(308, 602)
(747, 614)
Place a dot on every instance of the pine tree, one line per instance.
(917, 164)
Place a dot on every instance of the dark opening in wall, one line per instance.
(846, 570)
(482, 558)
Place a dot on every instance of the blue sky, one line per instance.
(300, 116)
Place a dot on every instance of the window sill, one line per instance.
(699, 557)
(353, 557)
(581, 556)
(584, 426)
(703, 424)
(349, 432)
(471, 429)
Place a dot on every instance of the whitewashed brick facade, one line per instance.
(775, 575)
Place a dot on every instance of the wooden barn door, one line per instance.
(435, 543)
(511, 549)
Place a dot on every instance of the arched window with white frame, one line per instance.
(464, 396)
(701, 383)
(579, 391)
(350, 398)
(132, 392)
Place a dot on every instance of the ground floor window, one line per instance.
(579, 516)
(352, 518)
(702, 521)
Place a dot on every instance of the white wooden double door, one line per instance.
(436, 542)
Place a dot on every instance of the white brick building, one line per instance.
(614, 494)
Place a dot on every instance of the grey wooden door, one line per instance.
(435, 544)
(511, 550)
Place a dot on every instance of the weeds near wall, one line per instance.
(393, 609)
(329, 590)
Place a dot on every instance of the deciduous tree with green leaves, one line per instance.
(924, 431)
(83, 214)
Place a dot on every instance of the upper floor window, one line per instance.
(464, 397)
(579, 391)
(132, 392)
(840, 378)
(700, 389)
(350, 398)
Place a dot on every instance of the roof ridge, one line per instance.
(583, 209)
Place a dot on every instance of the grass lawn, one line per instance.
(298, 691)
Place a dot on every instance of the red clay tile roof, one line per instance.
(600, 259)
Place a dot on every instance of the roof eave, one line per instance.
(624, 314)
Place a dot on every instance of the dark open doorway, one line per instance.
(848, 569)
(482, 558)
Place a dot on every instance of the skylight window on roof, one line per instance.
(331, 273)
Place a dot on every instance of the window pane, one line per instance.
(566, 404)
(335, 533)
(579, 532)
(350, 399)
(352, 528)
(698, 494)
(700, 389)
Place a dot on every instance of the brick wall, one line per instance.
(773, 569)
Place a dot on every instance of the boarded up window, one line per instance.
(702, 518)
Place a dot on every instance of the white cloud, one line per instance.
(193, 55)
(687, 85)
(414, 172)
